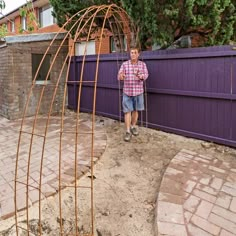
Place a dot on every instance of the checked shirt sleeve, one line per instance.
(144, 71)
(121, 70)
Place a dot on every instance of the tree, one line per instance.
(2, 5)
(212, 21)
(163, 22)
(3, 28)
(143, 13)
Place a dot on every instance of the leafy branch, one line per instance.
(3, 31)
(29, 13)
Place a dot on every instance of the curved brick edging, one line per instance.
(197, 197)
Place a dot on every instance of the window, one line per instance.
(45, 16)
(36, 59)
(116, 45)
(80, 47)
(13, 25)
(23, 23)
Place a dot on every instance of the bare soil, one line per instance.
(127, 179)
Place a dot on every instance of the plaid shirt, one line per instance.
(133, 86)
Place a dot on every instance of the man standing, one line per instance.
(133, 72)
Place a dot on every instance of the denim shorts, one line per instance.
(133, 103)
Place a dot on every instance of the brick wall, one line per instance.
(4, 86)
(49, 29)
(105, 45)
(16, 80)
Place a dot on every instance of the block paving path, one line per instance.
(49, 168)
(197, 197)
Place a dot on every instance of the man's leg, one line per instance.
(127, 121)
(128, 134)
(139, 106)
(127, 108)
(134, 118)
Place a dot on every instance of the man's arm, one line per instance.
(121, 73)
(143, 73)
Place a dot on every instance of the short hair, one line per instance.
(134, 48)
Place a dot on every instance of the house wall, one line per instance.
(17, 19)
(16, 79)
(105, 45)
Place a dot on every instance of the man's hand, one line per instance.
(138, 74)
(121, 76)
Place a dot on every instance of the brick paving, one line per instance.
(9, 134)
(197, 197)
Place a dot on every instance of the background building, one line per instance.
(46, 23)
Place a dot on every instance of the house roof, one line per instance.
(30, 38)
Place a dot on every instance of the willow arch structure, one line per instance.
(34, 135)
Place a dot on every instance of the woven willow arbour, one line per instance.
(81, 29)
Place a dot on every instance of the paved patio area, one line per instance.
(49, 167)
(197, 197)
(197, 194)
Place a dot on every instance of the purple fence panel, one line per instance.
(191, 92)
(233, 119)
(233, 74)
(107, 98)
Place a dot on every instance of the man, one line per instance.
(133, 72)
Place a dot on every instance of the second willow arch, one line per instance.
(81, 27)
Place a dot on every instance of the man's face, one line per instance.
(134, 54)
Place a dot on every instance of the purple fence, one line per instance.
(191, 92)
